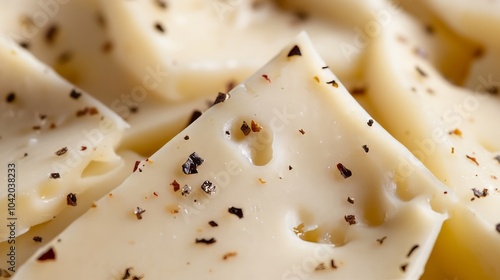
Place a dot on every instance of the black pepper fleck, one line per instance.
(332, 264)
(333, 83)
(62, 151)
(479, 194)
(346, 173)
(381, 240)
(497, 158)
(415, 247)
(192, 163)
(350, 200)
(138, 212)
(205, 241)
(51, 33)
(37, 239)
(186, 190)
(50, 254)
(186, 137)
(498, 227)
(245, 128)
(221, 97)
(213, 224)
(370, 122)
(159, 27)
(295, 51)
(236, 211)
(420, 71)
(403, 267)
(208, 187)
(55, 175)
(366, 149)
(71, 199)
(10, 97)
(351, 219)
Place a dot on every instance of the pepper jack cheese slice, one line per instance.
(51, 135)
(454, 132)
(288, 178)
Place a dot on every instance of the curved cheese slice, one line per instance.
(477, 20)
(50, 133)
(288, 178)
(39, 235)
(454, 132)
(194, 45)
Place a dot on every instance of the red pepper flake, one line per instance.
(498, 227)
(229, 255)
(420, 71)
(83, 148)
(186, 190)
(370, 122)
(366, 149)
(159, 27)
(194, 116)
(192, 163)
(351, 219)
(49, 255)
(37, 239)
(93, 111)
(350, 200)
(236, 211)
(213, 224)
(62, 151)
(332, 264)
(456, 132)
(473, 159)
(381, 240)
(245, 128)
(415, 247)
(255, 126)
(295, 51)
(138, 212)
(320, 266)
(205, 241)
(51, 34)
(266, 77)
(346, 173)
(477, 193)
(403, 267)
(208, 187)
(302, 131)
(10, 97)
(333, 83)
(221, 97)
(55, 175)
(136, 166)
(71, 199)
(176, 186)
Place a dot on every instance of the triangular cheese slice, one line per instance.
(455, 133)
(51, 134)
(288, 178)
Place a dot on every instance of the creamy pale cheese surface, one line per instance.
(94, 92)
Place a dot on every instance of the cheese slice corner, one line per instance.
(50, 133)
